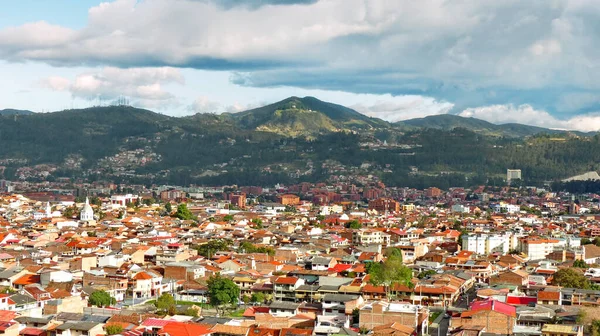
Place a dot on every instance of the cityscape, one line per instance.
(299, 168)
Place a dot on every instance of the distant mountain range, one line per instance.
(296, 139)
(296, 116)
(8, 112)
(449, 122)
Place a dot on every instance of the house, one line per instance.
(280, 308)
(184, 329)
(514, 277)
(497, 317)
(379, 313)
(549, 297)
(79, 328)
(322, 263)
(284, 288)
(562, 330)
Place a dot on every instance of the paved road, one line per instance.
(442, 330)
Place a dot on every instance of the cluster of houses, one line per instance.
(481, 269)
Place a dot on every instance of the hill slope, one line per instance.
(449, 122)
(8, 112)
(305, 116)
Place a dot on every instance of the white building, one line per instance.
(513, 174)
(87, 213)
(459, 208)
(539, 249)
(506, 208)
(370, 236)
(123, 200)
(485, 244)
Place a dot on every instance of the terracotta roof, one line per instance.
(548, 295)
(142, 276)
(27, 279)
(286, 280)
(184, 329)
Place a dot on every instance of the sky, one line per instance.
(532, 62)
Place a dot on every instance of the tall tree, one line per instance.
(222, 291)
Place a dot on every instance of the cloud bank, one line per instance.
(472, 54)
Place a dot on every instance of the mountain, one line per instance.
(305, 116)
(297, 139)
(450, 121)
(8, 112)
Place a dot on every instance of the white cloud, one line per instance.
(56, 83)
(140, 84)
(204, 105)
(402, 108)
(525, 114)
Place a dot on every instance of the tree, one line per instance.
(222, 291)
(290, 208)
(101, 298)
(571, 278)
(114, 329)
(168, 208)
(228, 218)
(246, 299)
(353, 224)
(258, 223)
(183, 212)
(580, 264)
(212, 246)
(165, 302)
(391, 271)
(258, 297)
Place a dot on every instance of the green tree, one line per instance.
(212, 246)
(228, 218)
(101, 298)
(258, 297)
(168, 208)
(580, 264)
(353, 224)
(164, 302)
(391, 271)
(258, 223)
(114, 329)
(571, 278)
(290, 208)
(191, 312)
(595, 328)
(183, 212)
(222, 291)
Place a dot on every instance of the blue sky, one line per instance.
(533, 62)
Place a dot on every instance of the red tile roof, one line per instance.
(27, 279)
(184, 329)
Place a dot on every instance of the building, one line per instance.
(506, 208)
(513, 174)
(87, 213)
(238, 200)
(370, 237)
(288, 199)
(538, 248)
(433, 192)
(497, 317)
(123, 200)
(484, 244)
(384, 205)
(562, 330)
(172, 195)
(379, 313)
